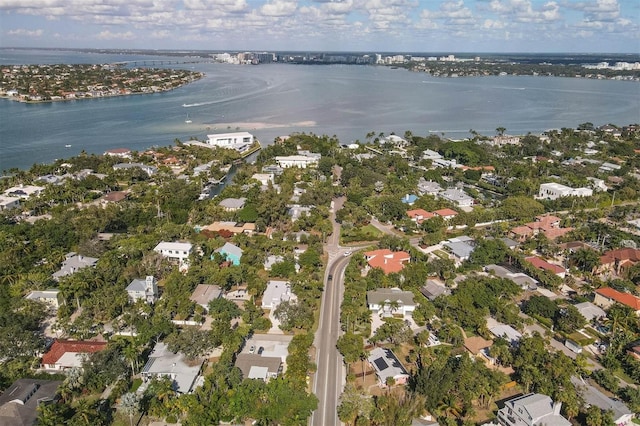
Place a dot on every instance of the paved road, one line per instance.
(330, 375)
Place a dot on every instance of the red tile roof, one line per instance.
(118, 151)
(543, 264)
(628, 254)
(522, 230)
(446, 212)
(61, 347)
(419, 214)
(387, 260)
(625, 298)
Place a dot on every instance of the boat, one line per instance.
(67, 146)
(188, 120)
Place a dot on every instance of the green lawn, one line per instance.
(365, 233)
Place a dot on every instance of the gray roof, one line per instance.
(593, 396)
(72, 263)
(460, 249)
(376, 297)
(233, 203)
(248, 362)
(18, 404)
(433, 289)
(590, 311)
(205, 293)
(163, 362)
(386, 364)
(230, 249)
(453, 194)
(137, 285)
(539, 408)
(523, 280)
(507, 332)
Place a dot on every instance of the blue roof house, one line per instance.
(232, 252)
(409, 199)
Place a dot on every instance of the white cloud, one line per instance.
(523, 11)
(108, 35)
(21, 32)
(279, 8)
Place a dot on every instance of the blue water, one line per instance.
(274, 100)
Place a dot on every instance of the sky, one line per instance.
(589, 26)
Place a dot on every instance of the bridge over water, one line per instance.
(151, 62)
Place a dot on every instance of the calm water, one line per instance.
(274, 100)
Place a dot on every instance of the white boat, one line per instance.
(188, 120)
(67, 146)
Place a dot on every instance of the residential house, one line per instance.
(239, 141)
(546, 224)
(205, 294)
(446, 214)
(460, 247)
(8, 203)
(434, 288)
(419, 215)
(553, 191)
(523, 280)
(49, 297)
(607, 296)
(478, 348)
(388, 301)
(231, 252)
(592, 396)
(181, 371)
(118, 152)
(19, 402)
(175, 251)
(143, 289)
(618, 261)
(72, 263)
(428, 187)
(276, 293)
(297, 211)
(257, 366)
(232, 204)
(149, 170)
(387, 260)
(394, 140)
(232, 227)
(429, 154)
(271, 260)
(590, 311)
(387, 366)
(532, 409)
(506, 332)
(114, 197)
(546, 266)
(457, 197)
(502, 140)
(66, 354)
(300, 161)
(24, 191)
(264, 178)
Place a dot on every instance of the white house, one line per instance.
(553, 191)
(387, 365)
(230, 140)
(146, 290)
(164, 363)
(7, 203)
(387, 301)
(301, 161)
(72, 263)
(232, 204)
(460, 198)
(174, 251)
(24, 191)
(531, 410)
(277, 292)
(50, 297)
(263, 178)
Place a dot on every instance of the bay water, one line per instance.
(277, 99)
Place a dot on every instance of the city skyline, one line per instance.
(610, 26)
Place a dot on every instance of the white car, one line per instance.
(347, 253)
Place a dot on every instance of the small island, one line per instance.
(61, 82)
